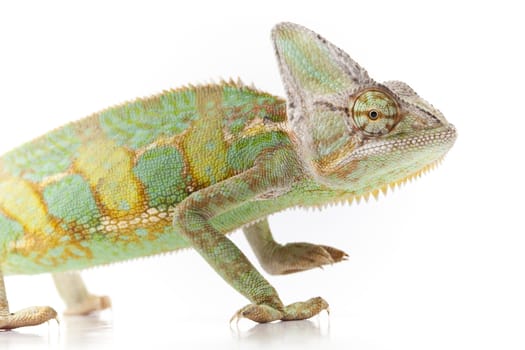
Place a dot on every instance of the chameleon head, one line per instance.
(353, 132)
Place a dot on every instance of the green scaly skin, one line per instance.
(183, 168)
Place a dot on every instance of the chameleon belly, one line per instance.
(69, 196)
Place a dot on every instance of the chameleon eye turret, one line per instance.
(375, 112)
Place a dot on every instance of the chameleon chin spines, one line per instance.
(185, 167)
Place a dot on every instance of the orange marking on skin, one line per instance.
(329, 163)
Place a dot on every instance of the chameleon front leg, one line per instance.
(278, 259)
(192, 220)
(78, 300)
(30, 316)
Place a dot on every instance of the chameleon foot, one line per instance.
(78, 300)
(296, 311)
(278, 259)
(30, 316)
(296, 257)
(91, 304)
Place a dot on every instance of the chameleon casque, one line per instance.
(182, 168)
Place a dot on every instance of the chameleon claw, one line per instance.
(235, 318)
(327, 310)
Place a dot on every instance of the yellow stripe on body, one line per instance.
(203, 144)
(108, 169)
(21, 202)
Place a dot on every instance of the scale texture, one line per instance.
(182, 168)
(105, 188)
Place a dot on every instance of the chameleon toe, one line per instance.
(297, 311)
(305, 309)
(31, 316)
(258, 313)
(336, 254)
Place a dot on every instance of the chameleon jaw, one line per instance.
(442, 138)
(392, 185)
(385, 162)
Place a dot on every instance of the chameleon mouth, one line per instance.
(442, 139)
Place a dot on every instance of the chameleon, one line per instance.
(183, 168)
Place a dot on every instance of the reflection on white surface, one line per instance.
(308, 332)
(101, 332)
(87, 331)
(72, 332)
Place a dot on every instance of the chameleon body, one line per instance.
(182, 168)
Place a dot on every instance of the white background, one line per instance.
(437, 264)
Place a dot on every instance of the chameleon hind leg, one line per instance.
(78, 300)
(278, 259)
(192, 220)
(30, 316)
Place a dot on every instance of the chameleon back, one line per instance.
(67, 197)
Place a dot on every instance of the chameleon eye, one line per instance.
(375, 112)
